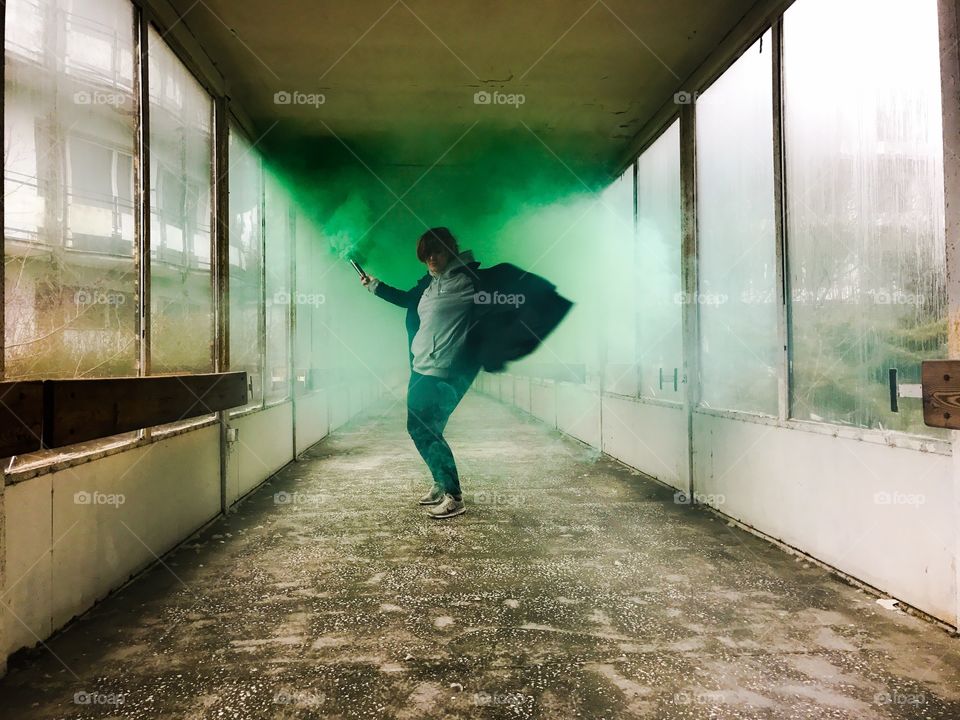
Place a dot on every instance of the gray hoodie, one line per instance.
(445, 311)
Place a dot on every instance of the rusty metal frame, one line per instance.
(949, 26)
(141, 181)
(3, 225)
(784, 306)
(689, 277)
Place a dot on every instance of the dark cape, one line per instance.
(513, 312)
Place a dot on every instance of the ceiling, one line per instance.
(399, 77)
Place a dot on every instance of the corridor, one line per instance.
(573, 587)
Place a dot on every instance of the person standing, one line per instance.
(461, 319)
(441, 372)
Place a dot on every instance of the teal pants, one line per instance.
(430, 402)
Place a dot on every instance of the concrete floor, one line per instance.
(571, 588)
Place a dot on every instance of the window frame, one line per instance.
(689, 276)
(144, 16)
(234, 125)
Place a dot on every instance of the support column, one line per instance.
(779, 188)
(688, 278)
(3, 526)
(141, 179)
(292, 328)
(220, 252)
(950, 88)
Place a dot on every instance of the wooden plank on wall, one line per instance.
(81, 410)
(941, 393)
(21, 417)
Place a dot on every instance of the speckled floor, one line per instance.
(571, 588)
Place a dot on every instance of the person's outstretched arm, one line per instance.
(388, 293)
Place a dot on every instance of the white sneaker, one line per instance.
(448, 508)
(434, 497)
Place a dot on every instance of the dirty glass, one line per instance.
(246, 263)
(313, 273)
(864, 182)
(736, 239)
(660, 296)
(618, 327)
(305, 301)
(69, 113)
(279, 293)
(181, 158)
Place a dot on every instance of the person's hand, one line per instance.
(367, 279)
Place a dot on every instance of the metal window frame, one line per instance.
(689, 276)
(218, 359)
(165, 19)
(220, 237)
(784, 418)
(236, 124)
(782, 323)
(3, 223)
(288, 231)
(754, 27)
(292, 324)
(676, 117)
(782, 280)
(263, 286)
(949, 28)
(141, 175)
(220, 259)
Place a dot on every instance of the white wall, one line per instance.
(61, 555)
(313, 419)
(543, 401)
(649, 437)
(264, 445)
(882, 514)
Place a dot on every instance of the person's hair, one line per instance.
(438, 239)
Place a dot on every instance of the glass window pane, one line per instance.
(278, 273)
(865, 206)
(737, 296)
(660, 333)
(619, 313)
(311, 299)
(69, 270)
(302, 301)
(246, 263)
(181, 158)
